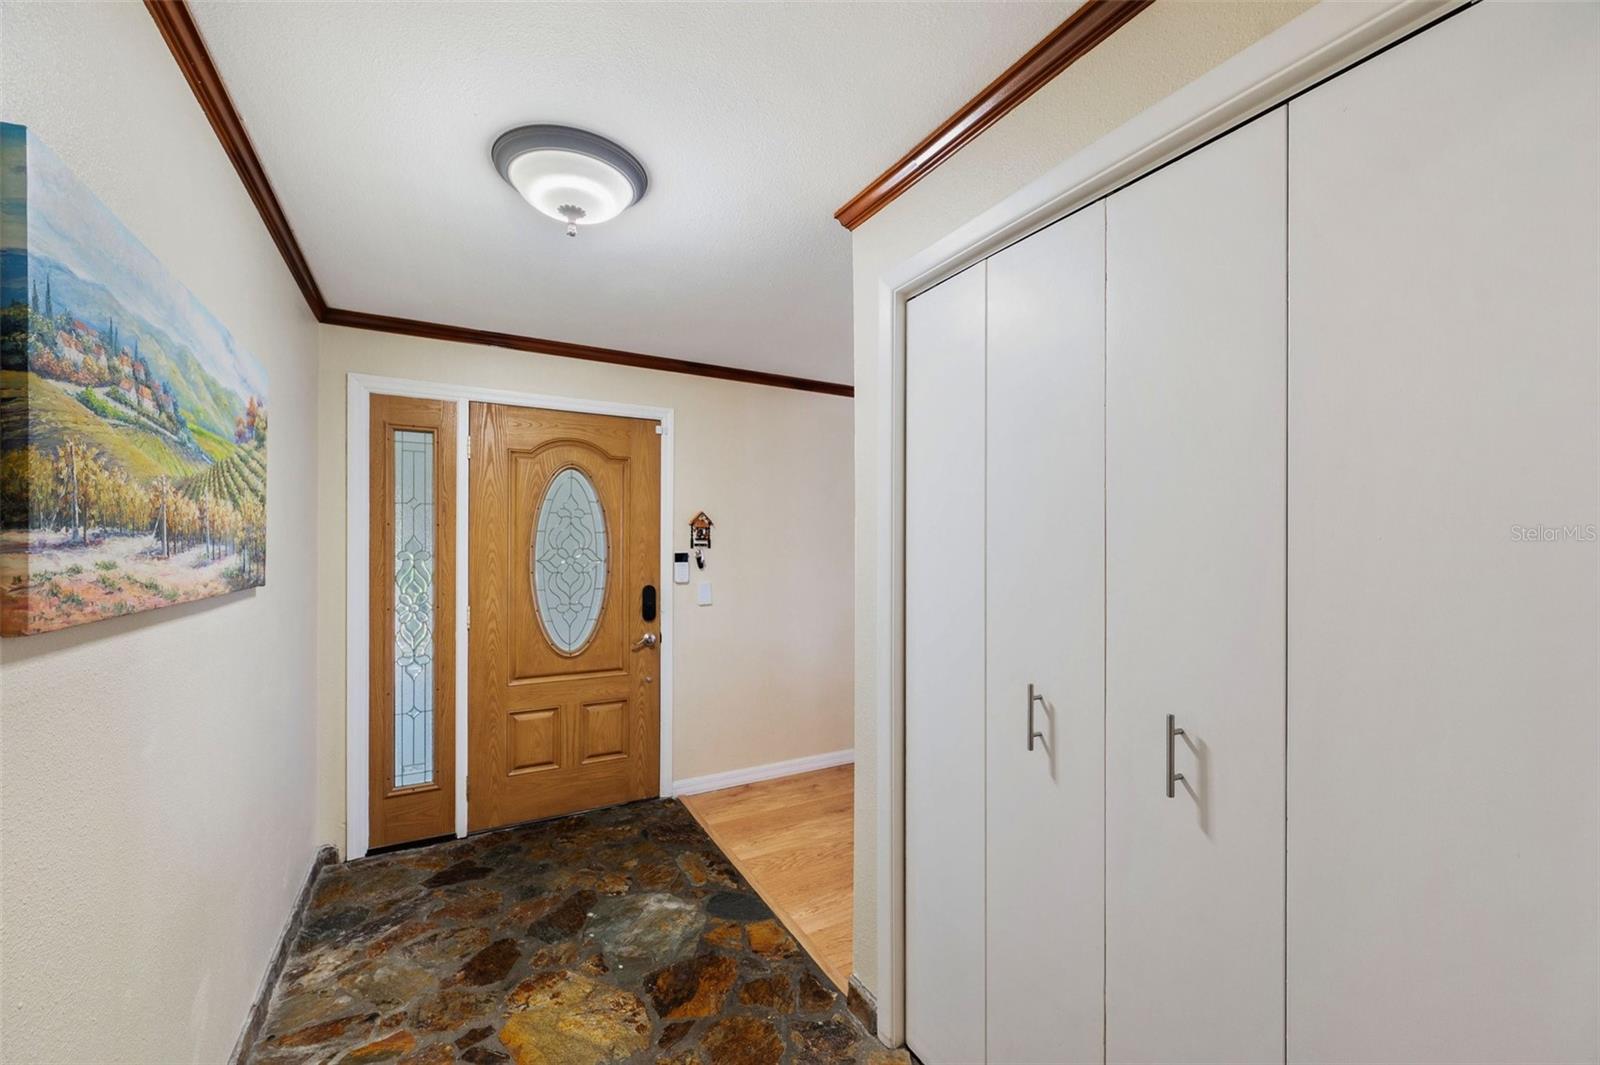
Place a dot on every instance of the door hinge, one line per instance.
(467, 787)
(469, 619)
(469, 447)
(661, 430)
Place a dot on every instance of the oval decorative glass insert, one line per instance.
(569, 561)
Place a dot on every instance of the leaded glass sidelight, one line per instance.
(413, 608)
(569, 561)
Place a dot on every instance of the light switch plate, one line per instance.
(703, 593)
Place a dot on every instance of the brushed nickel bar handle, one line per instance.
(1033, 734)
(1173, 732)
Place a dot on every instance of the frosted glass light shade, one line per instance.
(569, 174)
(551, 180)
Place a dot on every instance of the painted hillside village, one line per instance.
(134, 465)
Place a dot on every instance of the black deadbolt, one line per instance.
(647, 603)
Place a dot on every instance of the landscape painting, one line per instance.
(133, 428)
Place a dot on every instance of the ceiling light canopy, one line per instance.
(570, 174)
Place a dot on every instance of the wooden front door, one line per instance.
(565, 642)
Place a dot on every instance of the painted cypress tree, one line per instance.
(71, 455)
(162, 494)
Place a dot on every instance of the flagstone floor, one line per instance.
(621, 935)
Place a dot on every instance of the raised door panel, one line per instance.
(1046, 602)
(604, 731)
(1443, 575)
(534, 740)
(1195, 527)
(944, 671)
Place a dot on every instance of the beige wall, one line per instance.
(1160, 51)
(156, 771)
(763, 674)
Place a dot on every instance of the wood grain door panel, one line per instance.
(557, 729)
(604, 735)
(533, 740)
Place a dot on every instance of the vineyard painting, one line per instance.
(133, 429)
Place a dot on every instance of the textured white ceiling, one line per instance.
(755, 121)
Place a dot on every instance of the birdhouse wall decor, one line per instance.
(700, 530)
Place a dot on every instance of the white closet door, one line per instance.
(1443, 693)
(1046, 573)
(944, 636)
(1195, 516)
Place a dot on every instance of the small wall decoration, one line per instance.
(700, 530)
(133, 428)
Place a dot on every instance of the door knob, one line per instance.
(649, 639)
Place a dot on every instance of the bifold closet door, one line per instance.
(1195, 515)
(1046, 567)
(1444, 364)
(944, 634)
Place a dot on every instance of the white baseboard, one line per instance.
(734, 777)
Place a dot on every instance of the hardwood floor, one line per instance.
(792, 839)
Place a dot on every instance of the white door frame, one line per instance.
(361, 388)
(1317, 44)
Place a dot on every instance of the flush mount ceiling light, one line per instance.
(572, 175)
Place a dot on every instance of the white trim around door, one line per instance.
(361, 387)
(1319, 43)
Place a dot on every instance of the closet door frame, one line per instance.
(1318, 44)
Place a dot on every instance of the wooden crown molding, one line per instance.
(183, 39)
(1063, 46)
(188, 48)
(382, 323)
